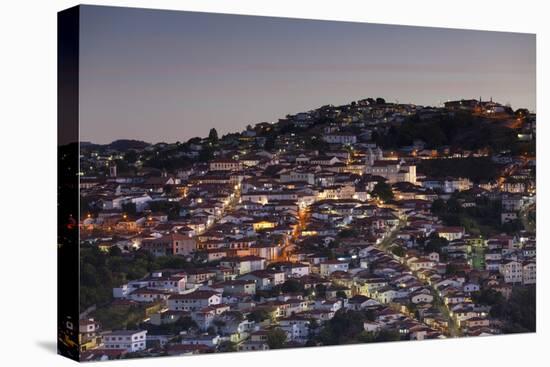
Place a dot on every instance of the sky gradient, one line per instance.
(157, 75)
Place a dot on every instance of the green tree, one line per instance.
(454, 206)
(489, 297)
(276, 338)
(439, 207)
(227, 346)
(380, 336)
(519, 312)
(382, 191)
(476, 169)
(292, 286)
(219, 324)
(259, 315)
(367, 337)
(115, 251)
(434, 243)
(206, 154)
(398, 251)
(186, 323)
(344, 328)
(129, 208)
(313, 325)
(320, 290)
(388, 336)
(213, 136)
(512, 226)
(171, 208)
(270, 143)
(452, 269)
(341, 294)
(348, 232)
(521, 112)
(131, 156)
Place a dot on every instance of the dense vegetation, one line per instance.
(171, 208)
(289, 286)
(182, 324)
(481, 219)
(346, 327)
(276, 338)
(101, 271)
(119, 317)
(475, 169)
(462, 130)
(382, 191)
(518, 313)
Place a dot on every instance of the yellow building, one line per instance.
(264, 224)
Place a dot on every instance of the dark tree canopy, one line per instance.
(475, 169)
(213, 136)
(344, 328)
(276, 338)
(382, 191)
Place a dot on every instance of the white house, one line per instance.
(125, 289)
(451, 233)
(172, 283)
(243, 265)
(340, 138)
(130, 340)
(456, 184)
(296, 327)
(471, 287)
(225, 165)
(512, 271)
(530, 273)
(393, 170)
(193, 301)
(208, 340)
(294, 269)
(434, 256)
(329, 305)
(265, 279)
(298, 176)
(371, 326)
(330, 266)
(422, 263)
(422, 296)
(148, 295)
(386, 295)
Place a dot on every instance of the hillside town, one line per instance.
(366, 222)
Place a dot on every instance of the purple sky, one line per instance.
(168, 75)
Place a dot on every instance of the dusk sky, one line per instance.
(168, 75)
